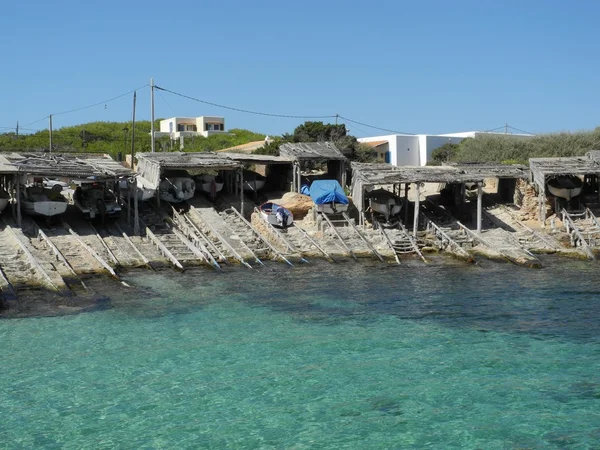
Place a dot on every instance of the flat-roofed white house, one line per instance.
(177, 127)
(416, 149)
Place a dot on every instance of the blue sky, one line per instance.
(418, 67)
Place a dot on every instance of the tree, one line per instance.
(445, 153)
(318, 132)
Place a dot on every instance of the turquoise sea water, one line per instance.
(354, 356)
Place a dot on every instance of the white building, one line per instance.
(416, 150)
(177, 127)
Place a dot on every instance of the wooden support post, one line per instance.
(294, 183)
(405, 202)
(242, 191)
(18, 201)
(479, 205)
(543, 208)
(136, 216)
(417, 205)
(299, 177)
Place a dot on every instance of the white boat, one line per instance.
(253, 181)
(176, 188)
(276, 215)
(144, 190)
(328, 197)
(4, 199)
(565, 186)
(385, 203)
(211, 184)
(37, 200)
(94, 199)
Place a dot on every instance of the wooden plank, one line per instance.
(33, 261)
(165, 251)
(389, 243)
(257, 233)
(313, 242)
(373, 250)
(92, 252)
(139, 253)
(283, 239)
(584, 245)
(60, 256)
(224, 241)
(108, 250)
(350, 252)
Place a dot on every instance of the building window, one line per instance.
(215, 127)
(190, 128)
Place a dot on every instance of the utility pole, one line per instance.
(17, 128)
(152, 112)
(505, 128)
(50, 119)
(336, 118)
(133, 131)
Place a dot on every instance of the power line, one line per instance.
(36, 121)
(168, 104)
(20, 128)
(100, 103)
(244, 110)
(504, 127)
(86, 107)
(522, 131)
(374, 127)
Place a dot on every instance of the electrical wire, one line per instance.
(168, 104)
(374, 127)
(244, 110)
(36, 121)
(99, 103)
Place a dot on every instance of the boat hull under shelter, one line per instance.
(253, 181)
(565, 186)
(210, 184)
(328, 197)
(384, 203)
(42, 201)
(176, 189)
(145, 192)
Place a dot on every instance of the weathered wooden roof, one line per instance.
(192, 160)
(371, 174)
(318, 151)
(258, 159)
(541, 168)
(67, 164)
(6, 167)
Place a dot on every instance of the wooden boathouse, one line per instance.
(153, 166)
(369, 175)
(62, 165)
(279, 167)
(304, 153)
(545, 169)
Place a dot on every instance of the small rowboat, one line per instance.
(565, 186)
(276, 215)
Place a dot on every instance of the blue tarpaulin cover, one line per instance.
(327, 191)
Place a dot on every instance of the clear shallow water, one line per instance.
(322, 356)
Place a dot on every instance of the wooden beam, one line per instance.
(417, 205)
(479, 205)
